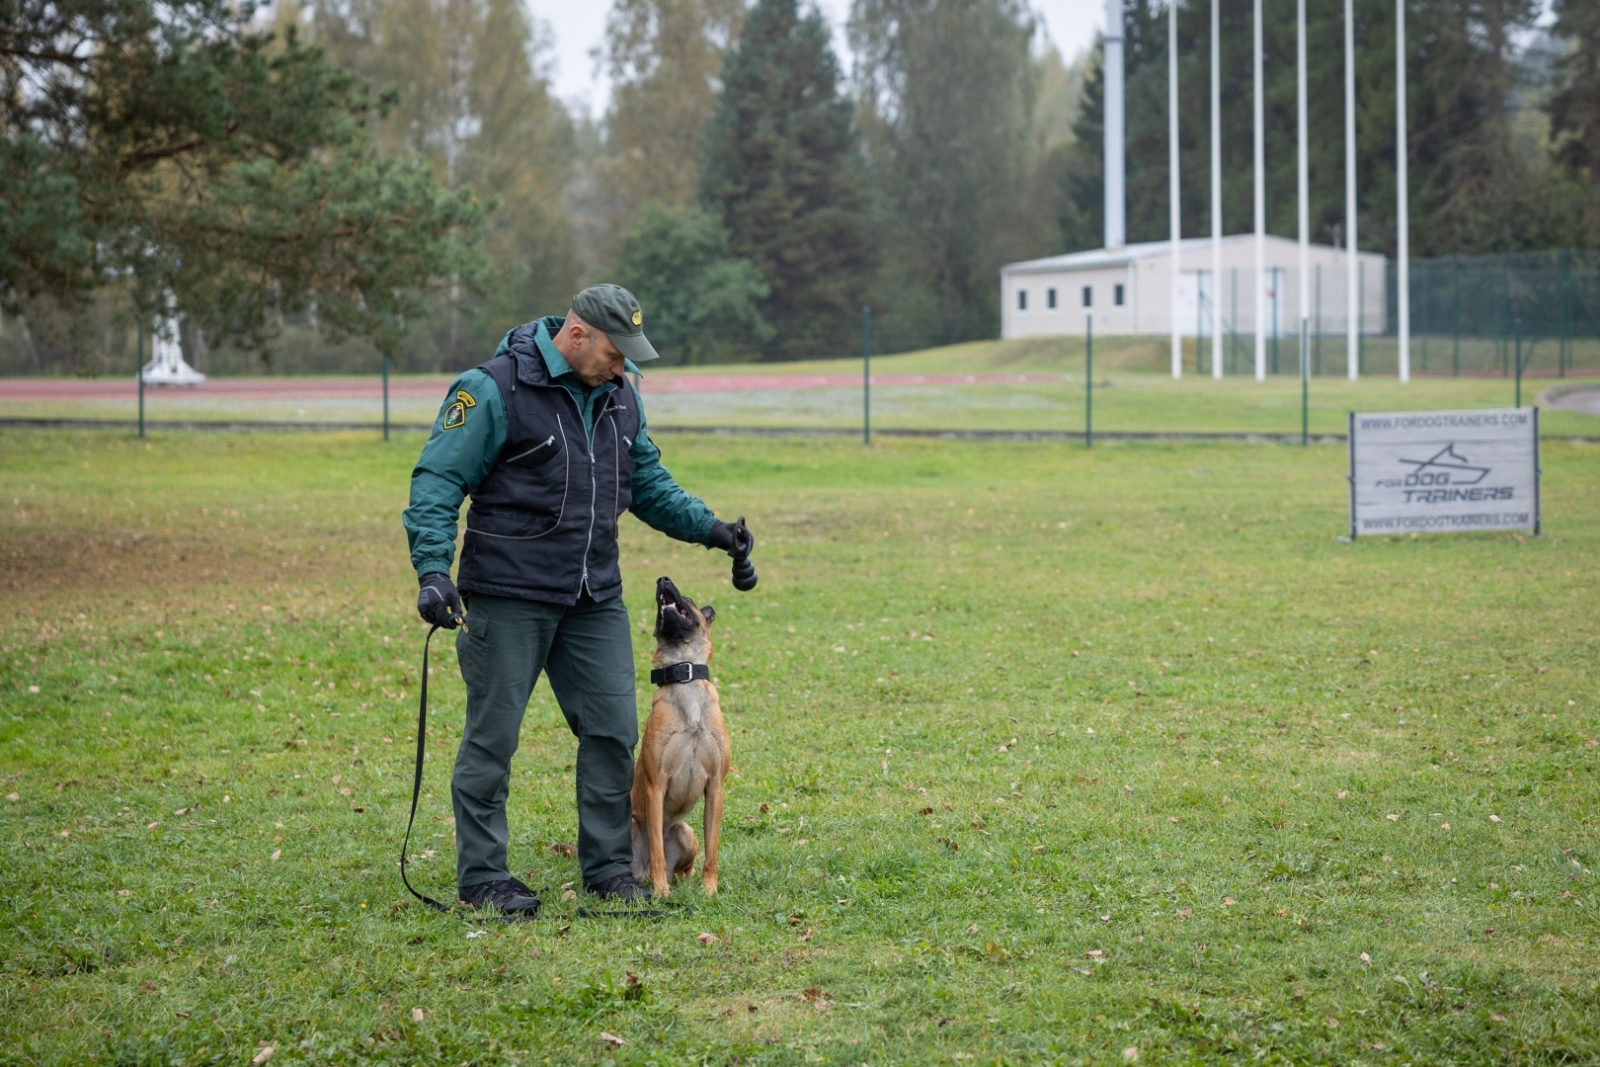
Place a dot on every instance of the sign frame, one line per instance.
(1356, 505)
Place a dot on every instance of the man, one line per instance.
(549, 439)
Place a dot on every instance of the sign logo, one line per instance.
(1445, 467)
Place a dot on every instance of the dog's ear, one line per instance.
(710, 613)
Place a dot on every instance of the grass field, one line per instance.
(1132, 395)
(1043, 755)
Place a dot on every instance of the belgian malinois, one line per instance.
(685, 752)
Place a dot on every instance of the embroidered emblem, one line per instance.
(638, 318)
(466, 398)
(455, 415)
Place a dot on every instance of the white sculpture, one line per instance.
(166, 366)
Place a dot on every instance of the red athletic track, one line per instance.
(316, 388)
(351, 388)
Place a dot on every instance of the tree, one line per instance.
(469, 96)
(700, 302)
(783, 172)
(1470, 190)
(947, 86)
(178, 152)
(1574, 107)
(663, 56)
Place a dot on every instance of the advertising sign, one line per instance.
(1444, 471)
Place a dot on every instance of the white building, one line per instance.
(1128, 290)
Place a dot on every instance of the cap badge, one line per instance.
(638, 318)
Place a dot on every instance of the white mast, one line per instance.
(1216, 193)
(1260, 208)
(1352, 354)
(1302, 176)
(1402, 193)
(1116, 202)
(1172, 182)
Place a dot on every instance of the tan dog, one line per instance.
(685, 752)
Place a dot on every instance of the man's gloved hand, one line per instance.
(438, 602)
(734, 538)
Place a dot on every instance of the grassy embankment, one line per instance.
(1042, 755)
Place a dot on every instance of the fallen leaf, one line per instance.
(1228, 902)
(1444, 826)
(1105, 918)
(124, 892)
(1392, 817)
(561, 848)
(275, 854)
(1184, 913)
(337, 778)
(706, 938)
(808, 935)
(1365, 958)
(570, 894)
(972, 928)
(476, 933)
(266, 1053)
(1331, 1022)
(1131, 1054)
(612, 1039)
(417, 1015)
(152, 826)
(1096, 954)
(1494, 818)
(815, 994)
(1343, 793)
(344, 790)
(1083, 970)
(1497, 1018)
(13, 796)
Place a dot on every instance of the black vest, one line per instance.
(543, 522)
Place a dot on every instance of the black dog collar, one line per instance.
(679, 672)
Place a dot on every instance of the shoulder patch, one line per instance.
(466, 398)
(455, 415)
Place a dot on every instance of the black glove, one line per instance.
(438, 602)
(734, 538)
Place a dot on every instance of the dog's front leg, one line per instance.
(708, 870)
(654, 817)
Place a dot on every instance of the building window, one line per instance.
(1050, 299)
(1088, 296)
(1116, 294)
(1022, 300)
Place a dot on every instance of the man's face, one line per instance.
(593, 358)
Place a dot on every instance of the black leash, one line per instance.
(416, 782)
(635, 912)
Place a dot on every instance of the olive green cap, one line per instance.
(612, 310)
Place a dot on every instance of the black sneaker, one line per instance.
(624, 887)
(508, 896)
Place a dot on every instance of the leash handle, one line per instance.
(416, 781)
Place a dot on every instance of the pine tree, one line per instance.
(783, 173)
(1575, 106)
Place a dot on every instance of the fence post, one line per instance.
(1305, 382)
(1233, 321)
(1455, 344)
(1566, 310)
(866, 375)
(1318, 368)
(1518, 328)
(1361, 318)
(1088, 381)
(139, 373)
(1427, 276)
(385, 395)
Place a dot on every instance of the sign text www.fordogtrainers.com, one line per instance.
(1442, 471)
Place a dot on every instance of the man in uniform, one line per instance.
(549, 439)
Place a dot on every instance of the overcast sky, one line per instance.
(577, 26)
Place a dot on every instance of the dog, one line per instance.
(685, 753)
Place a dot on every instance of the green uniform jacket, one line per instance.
(458, 457)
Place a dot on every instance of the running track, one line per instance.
(350, 388)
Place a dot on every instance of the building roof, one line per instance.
(1121, 257)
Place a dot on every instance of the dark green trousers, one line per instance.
(587, 651)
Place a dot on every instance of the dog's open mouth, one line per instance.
(675, 613)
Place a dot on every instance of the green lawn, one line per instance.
(1042, 755)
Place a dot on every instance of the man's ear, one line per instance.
(710, 613)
